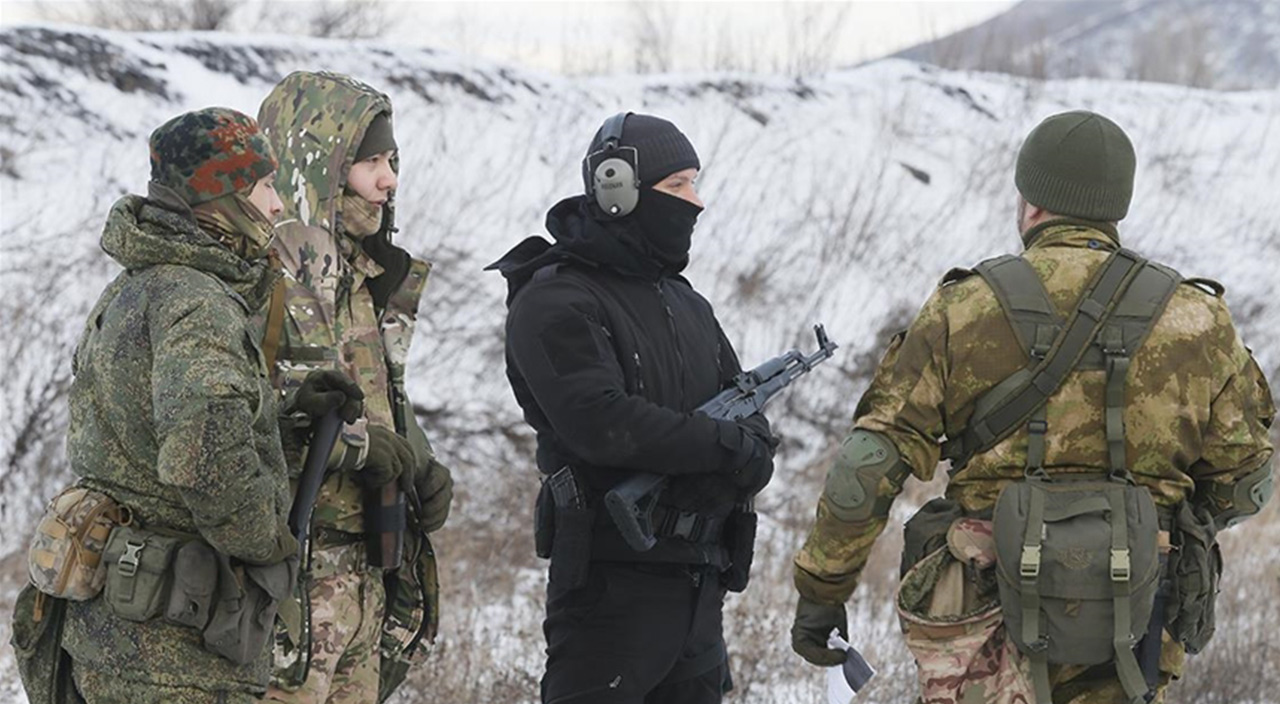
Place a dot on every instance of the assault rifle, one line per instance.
(631, 503)
(323, 439)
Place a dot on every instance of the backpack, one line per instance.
(1078, 565)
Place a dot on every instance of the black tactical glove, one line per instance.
(325, 390)
(752, 467)
(389, 457)
(433, 484)
(813, 626)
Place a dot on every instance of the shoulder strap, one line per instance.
(1042, 380)
(1025, 302)
(275, 326)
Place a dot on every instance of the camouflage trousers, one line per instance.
(100, 687)
(347, 605)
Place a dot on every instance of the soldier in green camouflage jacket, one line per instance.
(172, 413)
(350, 303)
(1197, 412)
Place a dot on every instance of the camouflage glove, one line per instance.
(325, 390)
(389, 457)
(433, 485)
(813, 626)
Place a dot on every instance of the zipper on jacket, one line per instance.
(675, 336)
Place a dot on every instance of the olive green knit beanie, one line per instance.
(1078, 164)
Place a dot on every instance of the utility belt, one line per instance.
(572, 533)
(156, 573)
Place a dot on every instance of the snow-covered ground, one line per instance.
(839, 199)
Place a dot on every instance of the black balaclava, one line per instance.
(661, 226)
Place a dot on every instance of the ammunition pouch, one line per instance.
(571, 546)
(151, 574)
(544, 522)
(243, 618)
(195, 575)
(740, 539)
(139, 572)
(1195, 566)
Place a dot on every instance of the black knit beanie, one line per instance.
(378, 137)
(661, 148)
(1078, 164)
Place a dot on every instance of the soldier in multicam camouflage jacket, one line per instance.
(350, 303)
(1197, 413)
(172, 413)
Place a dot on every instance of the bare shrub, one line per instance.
(652, 36)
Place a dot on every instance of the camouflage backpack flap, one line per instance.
(65, 558)
(954, 625)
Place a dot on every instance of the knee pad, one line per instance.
(866, 477)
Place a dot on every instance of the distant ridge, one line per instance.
(1222, 44)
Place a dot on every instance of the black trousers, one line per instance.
(637, 634)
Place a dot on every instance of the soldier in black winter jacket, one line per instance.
(609, 351)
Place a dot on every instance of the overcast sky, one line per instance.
(601, 36)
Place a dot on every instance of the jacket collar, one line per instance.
(1071, 232)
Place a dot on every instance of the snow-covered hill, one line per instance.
(840, 199)
(1225, 44)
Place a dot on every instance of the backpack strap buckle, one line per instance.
(1120, 571)
(1029, 566)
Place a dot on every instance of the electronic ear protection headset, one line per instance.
(611, 174)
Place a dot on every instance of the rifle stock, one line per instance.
(323, 438)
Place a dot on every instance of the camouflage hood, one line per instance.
(140, 234)
(316, 121)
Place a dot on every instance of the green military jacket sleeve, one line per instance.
(207, 395)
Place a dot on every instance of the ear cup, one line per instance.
(614, 186)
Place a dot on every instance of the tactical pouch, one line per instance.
(244, 615)
(740, 536)
(1195, 568)
(544, 522)
(926, 531)
(65, 558)
(1078, 569)
(571, 549)
(954, 627)
(195, 574)
(139, 572)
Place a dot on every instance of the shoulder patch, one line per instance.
(956, 274)
(1208, 286)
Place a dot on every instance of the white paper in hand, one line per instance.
(839, 690)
